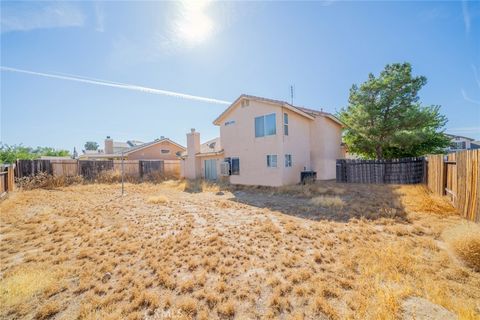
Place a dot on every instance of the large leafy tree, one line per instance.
(91, 145)
(385, 120)
(11, 153)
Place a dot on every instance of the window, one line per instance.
(265, 125)
(165, 151)
(229, 122)
(235, 166)
(285, 124)
(288, 160)
(272, 160)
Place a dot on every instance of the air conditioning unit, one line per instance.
(225, 168)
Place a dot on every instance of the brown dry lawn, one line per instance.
(181, 251)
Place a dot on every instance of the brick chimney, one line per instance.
(108, 145)
(192, 164)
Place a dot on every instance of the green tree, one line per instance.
(11, 153)
(385, 120)
(91, 145)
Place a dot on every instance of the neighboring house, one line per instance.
(119, 146)
(267, 142)
(159, 149)
(458, 143)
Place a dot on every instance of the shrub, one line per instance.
(464, 240)
(44, 180)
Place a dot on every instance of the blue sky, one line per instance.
(219, 50)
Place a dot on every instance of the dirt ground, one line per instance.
(197, 251)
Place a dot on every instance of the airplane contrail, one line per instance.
(117, 85)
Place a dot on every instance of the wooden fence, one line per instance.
(457, 176)
(7, 180)
(399, 171)
(90, 169)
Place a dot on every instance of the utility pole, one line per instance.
(123, 173)
(291, 94)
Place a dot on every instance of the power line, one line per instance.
(116, 85)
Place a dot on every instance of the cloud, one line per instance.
(99, 17)
(117, 85)
(467, 98)
(466, 16)
(25, 16)
(475, 74)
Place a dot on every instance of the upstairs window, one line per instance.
(265, 125)
(285, 124)
(165, 151)
(288, 160)
(230, 122)
(272, 160)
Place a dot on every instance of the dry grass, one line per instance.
(161, 199)
(327, 201)
(183, 250)
(464, 239)
(20, 286)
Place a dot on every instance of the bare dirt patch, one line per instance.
(202, 251)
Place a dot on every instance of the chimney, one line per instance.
(192, 164)
(193, 142)
(108, 145)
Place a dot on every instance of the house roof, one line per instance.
(455, 136)
(120, 144)
(148, 144)
(211, 147)
(306, 112)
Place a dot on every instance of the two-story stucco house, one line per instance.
(267, 142)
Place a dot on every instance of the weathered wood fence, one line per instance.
(456, 175)
(7, 180)
(91, 169)
(398, 171)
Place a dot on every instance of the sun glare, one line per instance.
(194, 25)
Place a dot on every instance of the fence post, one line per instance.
(11, 178)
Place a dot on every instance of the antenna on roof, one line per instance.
(292, 91)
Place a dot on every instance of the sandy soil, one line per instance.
(177, 251)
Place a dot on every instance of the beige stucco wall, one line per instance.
(153, 152)
(326, 139)
(297, 143)
(202, 159)
(238, 140)
(192, 168)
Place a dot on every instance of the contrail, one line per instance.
(117, 85)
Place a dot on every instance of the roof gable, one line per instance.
(152, 143)
(305, 112)
(260, 99)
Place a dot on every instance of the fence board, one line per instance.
(395, 171)
(64, 167)
(32, 167)
(458, 177)
(436, 174)
(90, 169)
(172, 168)
(131, 167)
(149, 167)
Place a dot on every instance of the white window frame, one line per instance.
(288, 161)
(272, 161)
(285, 123)
(264, 120)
